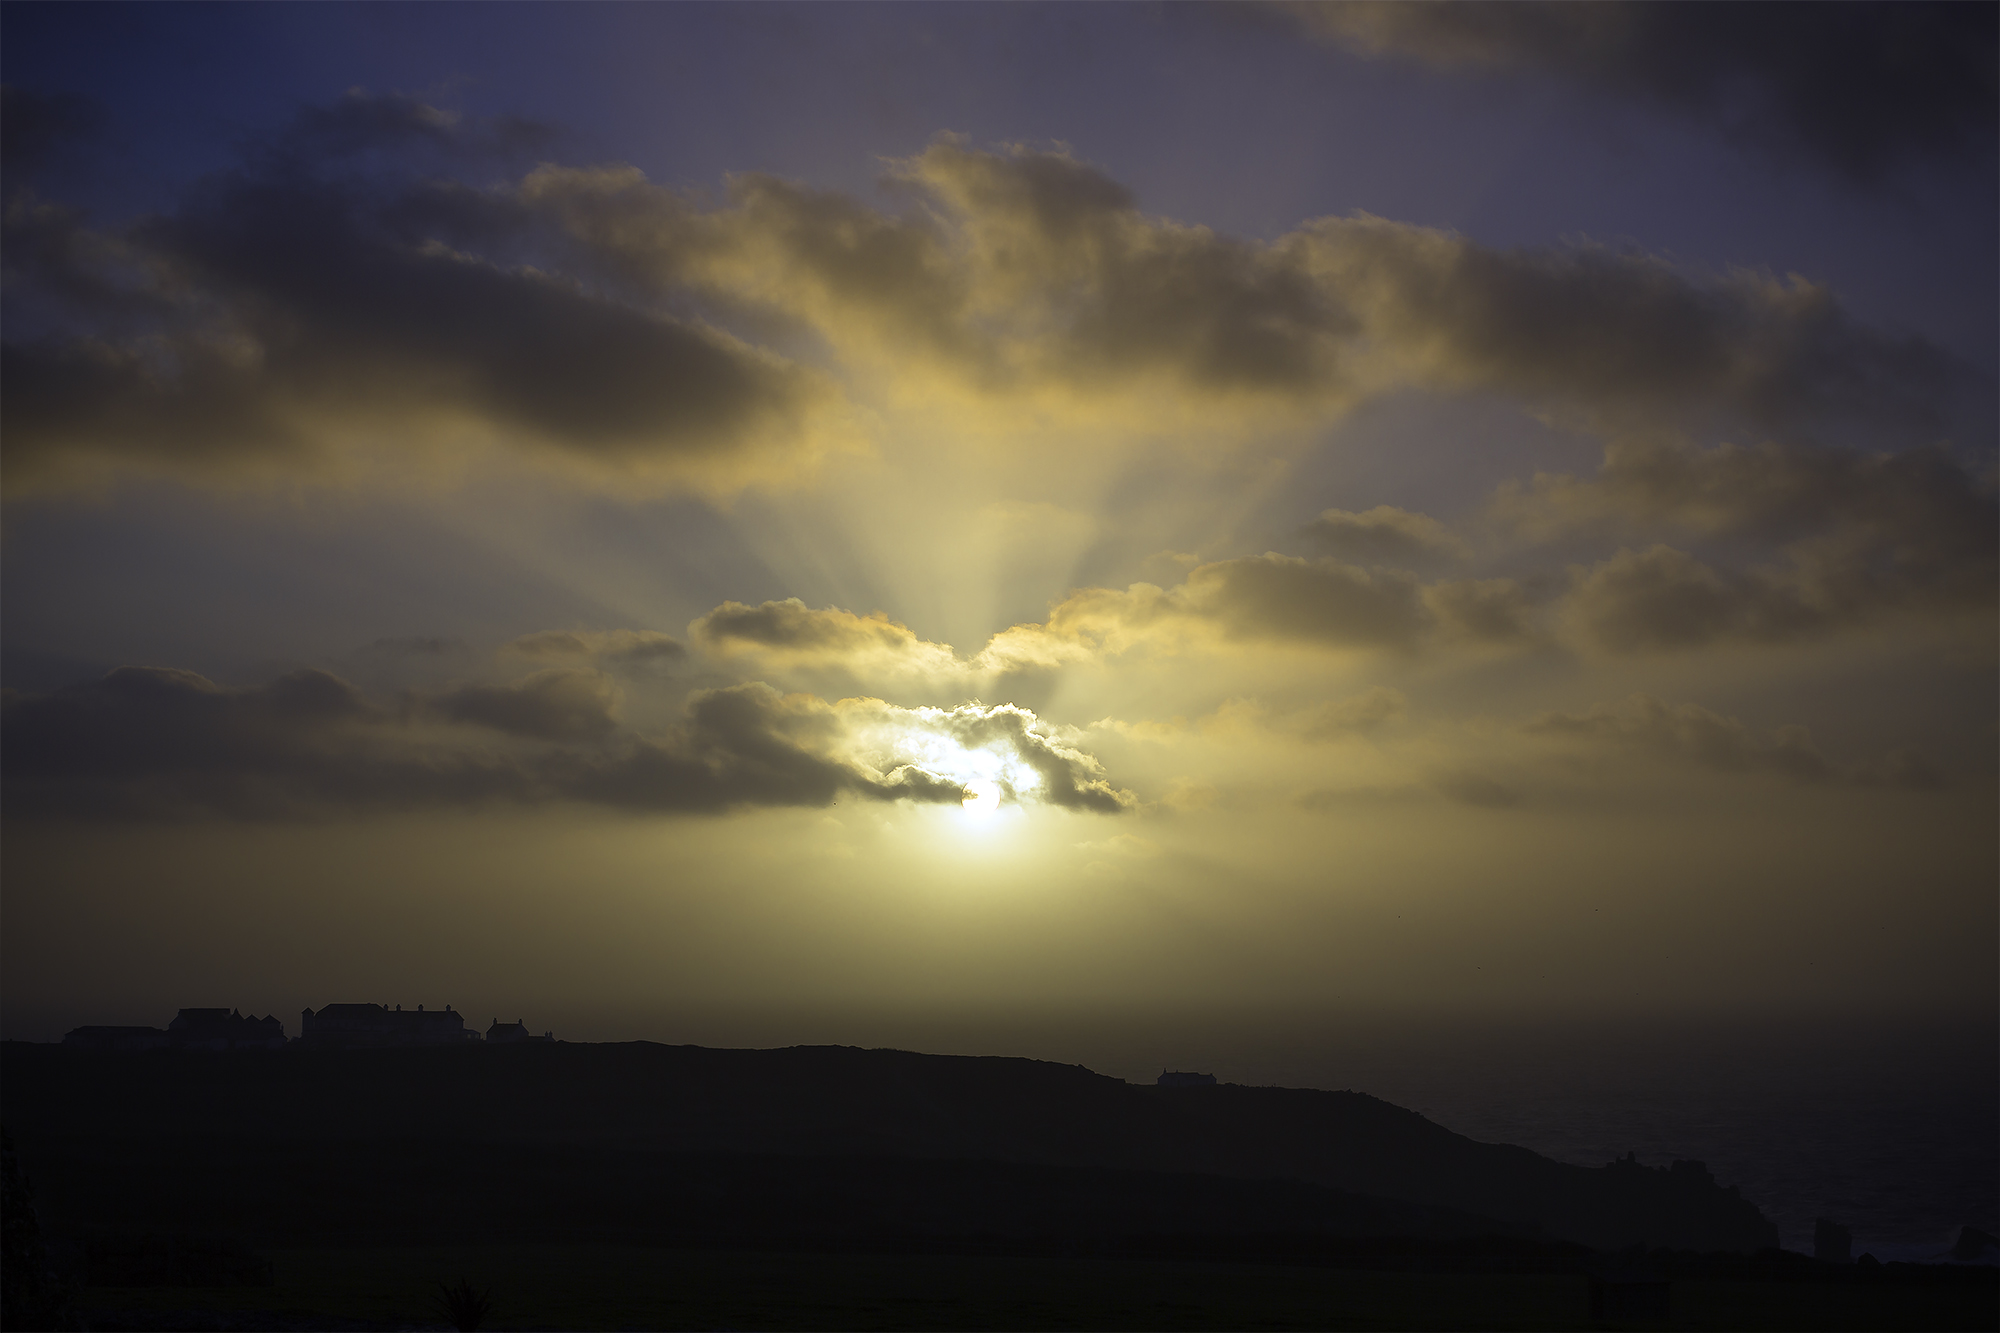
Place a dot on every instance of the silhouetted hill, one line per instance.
(501, 1107)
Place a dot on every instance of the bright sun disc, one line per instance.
(981, 797)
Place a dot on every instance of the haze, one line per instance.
(999, 527)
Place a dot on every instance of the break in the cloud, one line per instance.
(316, 308)
(163, 744)
(1862, 87)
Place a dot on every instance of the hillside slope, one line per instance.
(837, 1102)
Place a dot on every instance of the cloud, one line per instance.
(1840, 539)
(1860, 87)
(1062, 775)
(1688, 733)
(1028, 279)
(34, 125)
(1474, 789)
(416, 645)
(616, 645)
(1255, 599)
(750, 745)
(156, 743)
(1616, 337)
(324, 306)
(307, 309)
(1384, 535)
(1773, 491)
(1498, 611)
(555, 705)
(789, 633)
(1693, 734)
(1362, 713)
(1662, 599)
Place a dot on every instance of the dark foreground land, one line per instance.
(641, 1186)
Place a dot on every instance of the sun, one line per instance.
(982, 797)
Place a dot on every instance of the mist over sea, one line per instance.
(1889, 1126)
(1892, 1128)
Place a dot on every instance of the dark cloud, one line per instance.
(324, 305)
(1253, 599)
(1688, 733)
(34, 124)
(1362, 714)
(1474, 789)
(1488, 610)
(417, 645)
(306, 312)
(750, 745)
(790, 632)
(556, 705)
(612, 646)
(1621, 338)
(1663, 599)
(1920, 498)
(1384, 535)
(1282, 597)
(1840, 539)
(1862, 87)
(162, 744)
(154, 742)
(361, 123)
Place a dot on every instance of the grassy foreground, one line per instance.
(641, 1287)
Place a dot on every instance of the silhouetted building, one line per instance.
(1176, 1079)
(517, 1031)
(116, 1039)
(224, 1030)
(379, 1025)
(1832, 1242)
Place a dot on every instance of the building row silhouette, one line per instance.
(335, 1025)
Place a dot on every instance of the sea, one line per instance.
(1890, 1128)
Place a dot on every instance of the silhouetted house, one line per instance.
(1176, 1079)
(115, 1039)
(379, 1025)
(224, 1030)
(517, 1031)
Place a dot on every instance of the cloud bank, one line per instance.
(1860, 88)
(155, 743)
(344, 299)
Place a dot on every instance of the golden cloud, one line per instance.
(297, 313)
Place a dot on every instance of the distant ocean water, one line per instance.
(1890, 1129)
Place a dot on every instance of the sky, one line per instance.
(908, 524)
